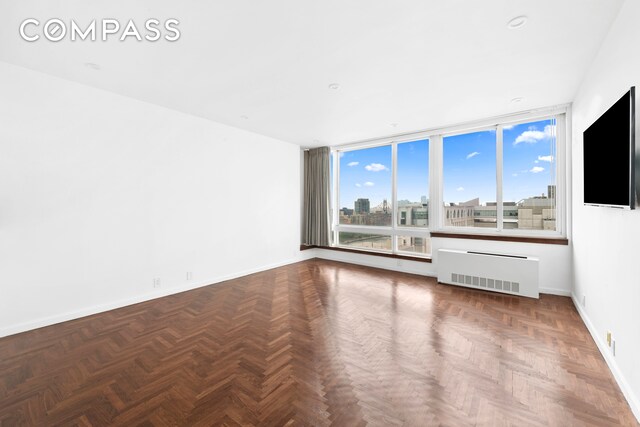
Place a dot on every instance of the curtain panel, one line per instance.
(317, 221)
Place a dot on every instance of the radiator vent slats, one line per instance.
(484, 282)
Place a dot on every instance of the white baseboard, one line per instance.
(554, 291)
(100, 308)
(628, 393)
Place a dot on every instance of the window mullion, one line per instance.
(394, 195)
(499, 170)
(560, 163)
(436, 205)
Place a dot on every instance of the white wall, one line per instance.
(555, 267)
(607, 241)
(555, 260)
(99, 194)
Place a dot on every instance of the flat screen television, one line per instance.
(609, 156)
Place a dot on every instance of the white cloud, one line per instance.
(533, 135)
(353, 163)
(545, 158)
(358, 185)
(536, 161)
(369, 184)
(508, 127)
(341, 154)
(530, 137)
(460, 189)
(514, 174)
(376, 167)
(470, 155)
(536, 169)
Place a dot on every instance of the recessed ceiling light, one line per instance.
(393, 125)
(244, 117)
(517, 22)
(92, 65)
(516, 100)
(334, 86)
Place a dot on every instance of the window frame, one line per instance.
(395, 230)
(560, 164)
(436, 210)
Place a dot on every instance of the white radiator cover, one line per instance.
(508, 274)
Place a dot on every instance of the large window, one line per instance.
(502, 178)
(521, 196)
(383, 194)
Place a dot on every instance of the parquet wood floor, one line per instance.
(315, 343)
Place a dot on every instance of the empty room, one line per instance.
(297, 213)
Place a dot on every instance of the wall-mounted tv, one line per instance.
(609, 156)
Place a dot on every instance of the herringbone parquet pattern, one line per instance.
(315, 343)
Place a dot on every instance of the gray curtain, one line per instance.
(316, 221)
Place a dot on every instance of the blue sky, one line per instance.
(528, 162)
(365, 174)
(469, 167)
(413, 177)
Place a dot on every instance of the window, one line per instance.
(519, 196)
(365, 240)
(413, 183)
(365, 186)
(415, 245)
(499, 178)
(529, 183)
(375, 215)
(469, 179)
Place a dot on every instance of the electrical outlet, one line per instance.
(584, 300)
(613, 347)
(609, 338)
(189, 275)
(156, 282)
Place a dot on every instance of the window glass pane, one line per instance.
(529, 175)
(365, 241)
(365, 186)
(417, 245)
(469, 179)
(413, 183)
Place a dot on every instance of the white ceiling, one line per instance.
(419, 63)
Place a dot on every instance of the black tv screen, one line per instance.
(609, 156)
